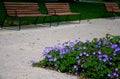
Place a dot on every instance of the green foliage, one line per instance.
(96, 59)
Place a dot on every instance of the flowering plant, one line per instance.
(96, 59)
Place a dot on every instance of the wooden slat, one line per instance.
(57, 8)
(22, 9)
(19, 3)
(112, 7)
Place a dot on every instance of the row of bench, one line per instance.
(27, 9)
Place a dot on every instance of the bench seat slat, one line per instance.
(20, 3)
(58, 8)
(22, 9)
(112, 7)
(69, 13)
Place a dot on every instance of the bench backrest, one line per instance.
(21, 8)
(111, 7)
(57, 7)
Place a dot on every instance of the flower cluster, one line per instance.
(113, 74)
(102, 57)
(96, 58)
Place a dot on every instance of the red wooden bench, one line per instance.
(112, 7)
(21, 9)
(59, 9)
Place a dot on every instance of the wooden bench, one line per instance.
(112, 7)
(21, 9)
(59, 9)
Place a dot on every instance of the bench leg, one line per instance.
(50, 20)
(79, 18)
(43, 19)
(19, 24)
(57, 20)
(2, 23)
(35, 22)
(114, 15)
(66, 19)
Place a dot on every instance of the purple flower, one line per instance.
(99, 52)
(116, 69)
(114, 53)
(49, 55)
(80, 54)
(71, 44)
(97, 46)
(55, 64)
(63, 50)
(66, 50)
(65, 43)
(109, 75)
(78, 61)
(55, 48)
(47, 49)
(79, 48)
(32, 61)
(84, 53)
(77, 57)
(117, 49)
(72, 48)
(114, 45)
(106, 56)
(115, 74)
(119, 41)
(94, 53)
(50, 59)
(103, 57)
(110, 63)
(105, 41)
(87, 54)
(87, 41)
(99, 42)
(100, 57)
(104, 60)
(55, 59)
(44, 53)
(110, 58)
(76, 67)
(84, 47)
(77, 40)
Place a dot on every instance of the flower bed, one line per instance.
(96, 59)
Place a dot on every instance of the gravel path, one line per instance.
(18, 48)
